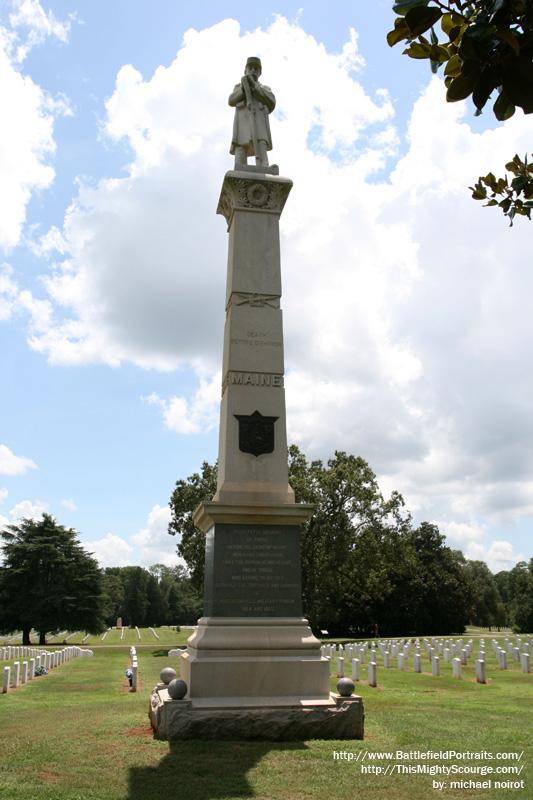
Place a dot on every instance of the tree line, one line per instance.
(49, 583)
(364, 563)
(156, 596)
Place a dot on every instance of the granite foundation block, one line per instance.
(175, 720)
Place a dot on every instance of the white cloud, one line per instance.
(3, 495)
(26, 142)
(30, 16)
(199, 414)
(499, 556)
(155, 544)
(111, 551)
(28, 510)
(28, 112)
(144, 277)
(461, 534)
(10, 464)
(69, 504)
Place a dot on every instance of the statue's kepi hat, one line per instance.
(254, 60)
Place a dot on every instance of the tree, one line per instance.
(519, 595)
(48, 581)
(487, 48)
(113, 591)
(135, 581)
(486, 610)
(157, 603)
(362, 561)
(443, 589)
(185, 498)
(349, 544)
(523, 606)
(184, 602)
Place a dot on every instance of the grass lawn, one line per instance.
(79, 733)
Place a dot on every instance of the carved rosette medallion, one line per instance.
(257, 195)
(251, 194)
(256, 433)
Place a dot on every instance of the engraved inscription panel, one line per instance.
(253, 339)
(253, 571)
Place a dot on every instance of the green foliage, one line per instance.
(362, 561)
(516, 589)
(47, 580)
(505, 194)
(157, 596)
(487, 606)
(185, 498)
(487, 48)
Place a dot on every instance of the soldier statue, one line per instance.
(253, 102)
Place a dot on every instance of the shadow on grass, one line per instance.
(202, 770)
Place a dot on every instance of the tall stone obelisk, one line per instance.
(253, 668)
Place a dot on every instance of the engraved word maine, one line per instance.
(256, 571)
(252, 379)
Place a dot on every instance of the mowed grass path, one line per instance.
(80, 734)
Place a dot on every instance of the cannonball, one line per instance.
(177, 689)
(168, 674)
(345, 687)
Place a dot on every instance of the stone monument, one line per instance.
(253, 668)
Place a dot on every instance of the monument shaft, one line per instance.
(252, 645)
(253, 440)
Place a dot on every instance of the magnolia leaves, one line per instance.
(488, 47)
(513, 197)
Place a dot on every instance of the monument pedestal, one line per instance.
(251, 672)
(253, 668)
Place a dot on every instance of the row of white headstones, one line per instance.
(451, 652)
(22, 673)
(122, 633)
(49, 637)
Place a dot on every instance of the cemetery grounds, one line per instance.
(80, 733)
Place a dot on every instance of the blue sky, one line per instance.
(406, 304)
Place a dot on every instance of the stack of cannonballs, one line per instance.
(177, 689)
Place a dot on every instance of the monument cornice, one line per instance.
(211, 512)
(252, 191)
